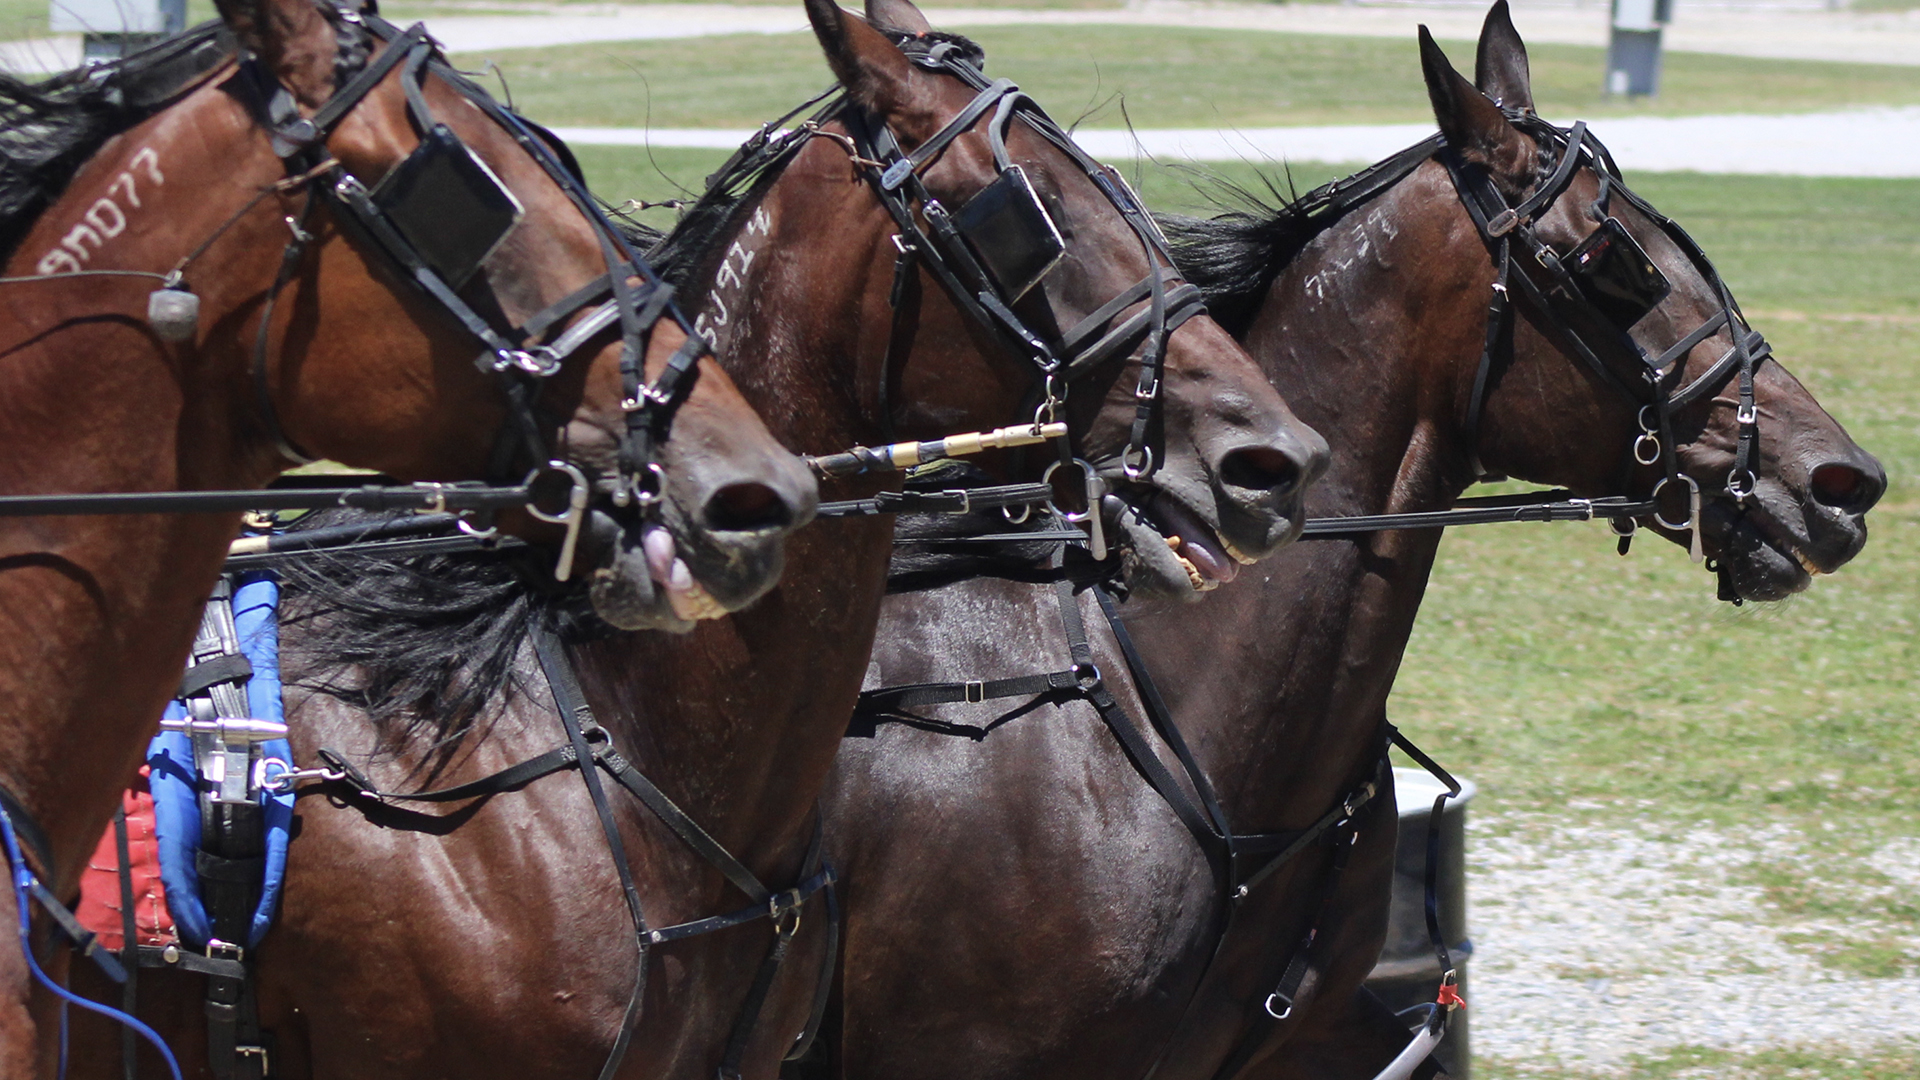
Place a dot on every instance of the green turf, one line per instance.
(1166, 77)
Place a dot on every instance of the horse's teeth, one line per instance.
(1235, 553)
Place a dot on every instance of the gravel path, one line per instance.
(1597, 943)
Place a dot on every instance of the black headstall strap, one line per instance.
(387, 214)
(972, 269)
(1581, 327)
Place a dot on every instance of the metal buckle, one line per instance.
(1746, 415)
(1273, 997)
(902, 245)
(648, 394)
(975, 691)
(1499, 224)
(1147, 392)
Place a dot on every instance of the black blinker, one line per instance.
(1613, 272)
(1011, 233)
(446, 203)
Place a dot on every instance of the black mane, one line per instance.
(1235, 255)
(425, 645)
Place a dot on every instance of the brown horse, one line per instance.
(491, 940)
(146, 170)
(1021, 903)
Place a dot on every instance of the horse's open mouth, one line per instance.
(1763, 558)
(689, 599)
(654, 584)
(1170, 542)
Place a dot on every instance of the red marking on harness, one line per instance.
(1449, 997)
(99, 909)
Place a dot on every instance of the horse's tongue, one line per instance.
(1210, 562)
(1197, 543)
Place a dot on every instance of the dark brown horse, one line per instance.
(150, 169)
(1021, 903)
(491, 940)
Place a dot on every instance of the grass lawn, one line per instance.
(1166, 77)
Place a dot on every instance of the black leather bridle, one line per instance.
(964, 250)
(1569, 310)
(523, 356)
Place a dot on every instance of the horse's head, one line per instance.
(1628, 335)
(446, 229)
(1053, 291)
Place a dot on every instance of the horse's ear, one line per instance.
(1472, 123)
(875, 72)
(897, 15)
(1500, 68)
(293, 38)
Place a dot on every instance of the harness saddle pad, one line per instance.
(169, 806)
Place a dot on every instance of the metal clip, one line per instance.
(571, 517)
(540, 362)
(896, 174)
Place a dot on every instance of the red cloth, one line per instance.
(99, 909)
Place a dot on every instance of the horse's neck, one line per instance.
(1322, 626)
(744, 714)
(96, 613)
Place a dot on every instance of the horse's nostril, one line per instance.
(747, 507)
(1845, 487)
(1260, 468)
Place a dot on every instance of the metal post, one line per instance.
(1633, 51)
(113, 28)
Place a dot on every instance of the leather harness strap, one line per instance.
(588, 741)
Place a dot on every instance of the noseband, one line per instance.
(436, 216)
(1590, 298)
